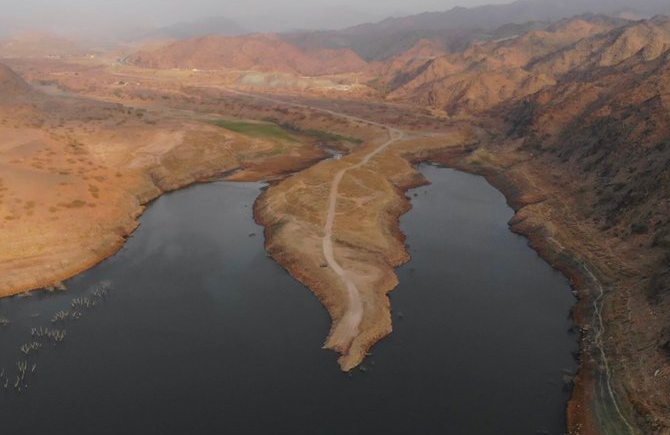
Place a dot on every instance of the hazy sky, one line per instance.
(75, 15)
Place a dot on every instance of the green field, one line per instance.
(274, 131)
(256, 129)
(332, 137)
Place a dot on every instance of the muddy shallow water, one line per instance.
(201, 333)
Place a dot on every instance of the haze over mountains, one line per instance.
(263, 21)
(353, 21)
(122, 19)
(459, 26)
(39, 44)
(365, 28)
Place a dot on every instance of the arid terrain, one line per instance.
(76, 173)
(570, 119)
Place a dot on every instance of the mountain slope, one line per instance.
(605, 132)
(584, 156)
(11, 85)
(496, 72)
(254, 52)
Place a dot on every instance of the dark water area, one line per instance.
(201, 333)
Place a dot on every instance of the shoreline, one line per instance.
(291, 264)
(578, 412)
(581, 418)
(581, 412)
(51, 280)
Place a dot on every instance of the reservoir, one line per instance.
(197, 331)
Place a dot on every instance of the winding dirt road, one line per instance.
(598, 340)
(347, 328)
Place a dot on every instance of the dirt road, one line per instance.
(347, 328)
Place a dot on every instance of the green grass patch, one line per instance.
(254, 129)
(314, 134)
(331, 137)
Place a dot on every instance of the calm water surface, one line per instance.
(203, 334)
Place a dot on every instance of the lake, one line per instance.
(199, 332)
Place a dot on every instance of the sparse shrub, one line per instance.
(639, 228)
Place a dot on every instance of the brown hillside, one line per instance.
(11, 85)
(651, 38)
(491, 73)
(255, 52)
(587, 105)
(605, 132)
(405, 66)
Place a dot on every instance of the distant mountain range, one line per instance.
(458, 26)
(206, 26)
(268, 21)
(266, 52)
(38, 44)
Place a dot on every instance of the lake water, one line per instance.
(201, 333)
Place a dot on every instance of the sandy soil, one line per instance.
(73, 182)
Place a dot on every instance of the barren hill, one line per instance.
(11, 85)
(255, 52)
(606, 131)
(587, 108)
(492, 73)
(649, 38)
